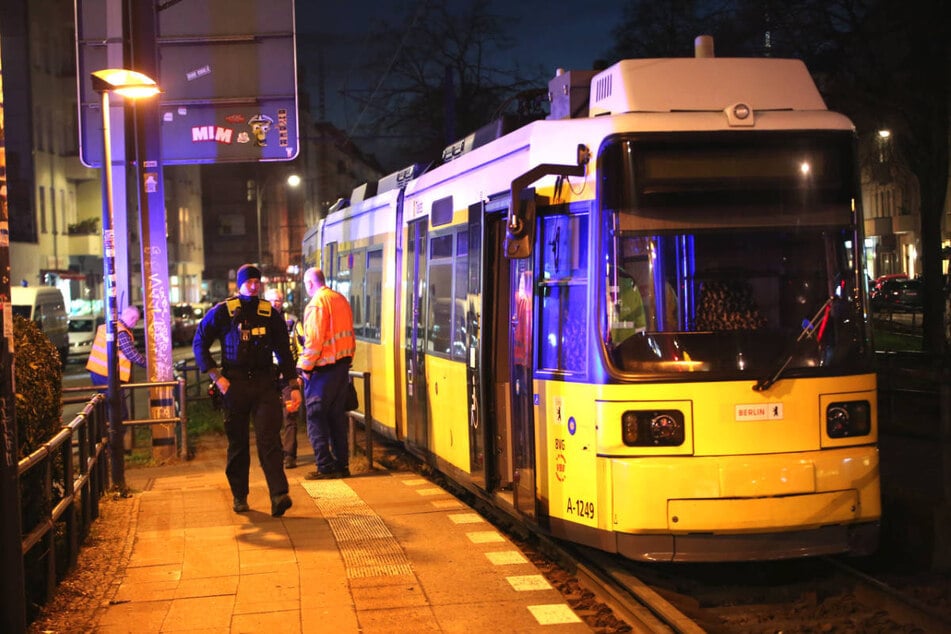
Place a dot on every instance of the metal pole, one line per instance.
(117, 457)
(12, 581)
(257, 198)
(152, 224)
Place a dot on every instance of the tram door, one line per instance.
(479, 459)
(417, 420)
(521, 334)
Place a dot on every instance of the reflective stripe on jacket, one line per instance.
(328, 330)
(99, 355)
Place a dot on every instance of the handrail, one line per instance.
(69, 490)
(72, 473)
(181, 419)
(366, 417)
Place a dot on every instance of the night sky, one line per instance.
(549, 34)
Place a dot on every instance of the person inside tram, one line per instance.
(631, 316)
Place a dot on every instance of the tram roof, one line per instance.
(703, 84)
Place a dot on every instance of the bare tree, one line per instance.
(438, 78)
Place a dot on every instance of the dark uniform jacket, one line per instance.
(252, 336)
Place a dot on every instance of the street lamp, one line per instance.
(131, 85)
(883, 137)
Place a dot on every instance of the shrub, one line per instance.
(38, 383)
(38, 386)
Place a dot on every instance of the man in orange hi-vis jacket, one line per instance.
(324, 365)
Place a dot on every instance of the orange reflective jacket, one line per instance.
(328, 330)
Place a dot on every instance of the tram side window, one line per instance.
(341, 280)
(374, 294)
(446, 316)
(563, 314)
(461, 276)
(356, 296)
(439, 321)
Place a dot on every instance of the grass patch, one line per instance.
(203, 419)
(888, 341)
(894, 337)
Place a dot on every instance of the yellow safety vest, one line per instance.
(99, 355)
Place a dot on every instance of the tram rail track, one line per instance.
(814, 595)
(811, 594)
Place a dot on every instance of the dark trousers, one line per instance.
(256, 399)
(289, 429)
(327, 425)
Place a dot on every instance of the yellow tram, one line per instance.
(640, 323)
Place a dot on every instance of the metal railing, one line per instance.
(74, 474)
(189, 372)
(912, 381)
(193, 388)
(366, 417)
(180, 404)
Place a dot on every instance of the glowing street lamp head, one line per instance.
(128, 83)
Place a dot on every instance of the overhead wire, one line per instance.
(420, 8)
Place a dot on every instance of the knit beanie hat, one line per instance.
(247, 272)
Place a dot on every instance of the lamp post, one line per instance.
(132, 85)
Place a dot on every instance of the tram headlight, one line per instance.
(848, 418)
(652, 428)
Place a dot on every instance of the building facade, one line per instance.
(256, 212)
(55, 201)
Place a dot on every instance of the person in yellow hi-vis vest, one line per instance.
(98, 362)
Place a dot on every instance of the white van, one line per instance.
(45, 306)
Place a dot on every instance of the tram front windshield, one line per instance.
(733, 255)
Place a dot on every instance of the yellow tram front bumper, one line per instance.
(749, 493)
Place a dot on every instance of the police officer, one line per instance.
(252, 334)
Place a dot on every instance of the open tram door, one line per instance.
(507, 409)
(417, 417)
(521, 333)
(519, 248)
(518, 333)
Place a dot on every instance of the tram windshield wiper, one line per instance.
(808, 330)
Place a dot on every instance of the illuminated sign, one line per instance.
(228, 74)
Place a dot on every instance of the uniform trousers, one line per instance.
(325, 394)
(256, 399)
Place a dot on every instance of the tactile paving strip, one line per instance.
(366, 544)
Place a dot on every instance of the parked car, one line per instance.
(875, 286)
(898, 295)
(185, 318)
(82, 332)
